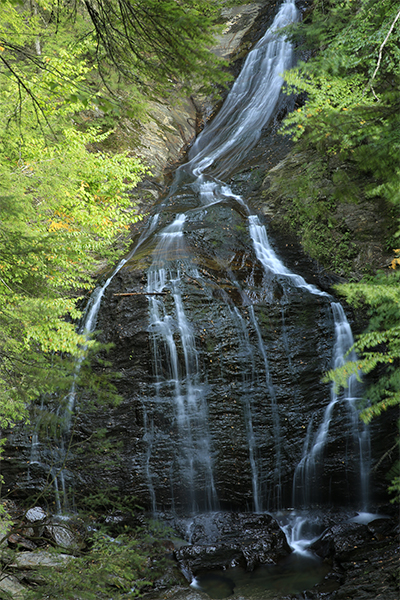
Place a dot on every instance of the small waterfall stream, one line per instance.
(181, 382)
(59, 473)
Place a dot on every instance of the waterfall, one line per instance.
(216, 152)
(248, 388)
(222, 144)
(275, 494)
(172, 334)
(87, 326)
(305, 488)
(300, 529)
(305, 477)
(177, 424)
(271, 262)
(250, 103)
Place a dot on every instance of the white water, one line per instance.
(220, 148)
(87, 327)
(222, 145)
(272, 263)
(171, 333)
(310, 466)
(250, 103)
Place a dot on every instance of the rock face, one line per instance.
(364, 561)
(257, 349)
(249, 353)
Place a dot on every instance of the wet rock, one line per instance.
(178, 593)
(261, 347)
(224, 540)
(345, 541)
(364, 561)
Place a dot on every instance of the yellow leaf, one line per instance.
(394, 263)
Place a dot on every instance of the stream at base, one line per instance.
(296, 574)
(293, 574)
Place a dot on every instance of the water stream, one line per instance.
(40, 455)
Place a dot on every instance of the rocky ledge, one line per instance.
(358, 561)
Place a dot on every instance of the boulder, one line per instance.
(41, 558)
(223, 540)
(36, 514)
(63, 535)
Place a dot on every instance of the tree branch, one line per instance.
(380, 55)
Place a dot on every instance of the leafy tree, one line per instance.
(62, 209)
(149, 44)
(352, 112)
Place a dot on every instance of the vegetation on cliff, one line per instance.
(65, 206)
(348, 130)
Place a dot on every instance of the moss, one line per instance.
(324, 201)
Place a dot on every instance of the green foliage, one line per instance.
(134, 50)
(103, 564)
(352, 106)
(119, 567)
(62, 208)
(113, 566)
(65, 206)
(310, 204)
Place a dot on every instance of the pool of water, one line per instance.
(293, 575)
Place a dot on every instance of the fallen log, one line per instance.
(141, 294)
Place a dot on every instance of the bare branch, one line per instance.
(380, 54)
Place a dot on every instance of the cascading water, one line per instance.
(306, 474)
(181, 382)
(57, 456)
(305, 486)
(300, 529)
(249, 105)
(221, 146)
(218, 149)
